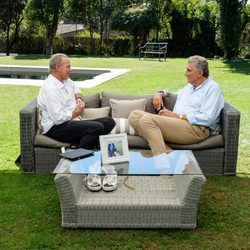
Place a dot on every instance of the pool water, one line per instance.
(43, 76)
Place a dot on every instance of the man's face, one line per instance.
(64, 68)
(193, 75)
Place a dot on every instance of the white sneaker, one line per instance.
(93, 182)
(110, 182)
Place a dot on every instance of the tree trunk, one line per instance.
(101, 27)
(49, 44)
(51, 32)
(8, 41)
(135, 45)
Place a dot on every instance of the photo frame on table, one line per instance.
(114, 148)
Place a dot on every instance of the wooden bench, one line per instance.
(151, 48)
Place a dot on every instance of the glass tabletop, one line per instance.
(140, 163)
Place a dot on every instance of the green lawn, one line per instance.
(29, 205)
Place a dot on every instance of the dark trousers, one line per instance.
(84, 134)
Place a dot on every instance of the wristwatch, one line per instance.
(181, 117)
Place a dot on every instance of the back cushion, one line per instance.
(92, 101)
(105, 97)
(123, 108)
(170, 100)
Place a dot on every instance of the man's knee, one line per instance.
(100, 129)
(135, 115)
(146, 119)
(111, 123)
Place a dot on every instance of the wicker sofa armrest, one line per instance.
(189, 188)
(27, 135)
(69, 189)
(230, 122)
(189, 185)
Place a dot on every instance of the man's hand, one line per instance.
(80, 102)
(80, 105)
(158, 101)
(168, 113)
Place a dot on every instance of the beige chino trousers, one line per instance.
(157, 129)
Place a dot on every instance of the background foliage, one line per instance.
(190, 27)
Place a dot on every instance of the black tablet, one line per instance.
(77, 154)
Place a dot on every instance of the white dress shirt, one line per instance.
(56, 101)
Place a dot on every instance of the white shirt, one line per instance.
(57, 101)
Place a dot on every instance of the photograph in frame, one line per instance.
(114, 148)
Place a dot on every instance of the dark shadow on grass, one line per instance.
(242, 67)
(40, 56)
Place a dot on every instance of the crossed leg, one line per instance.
(157, 129)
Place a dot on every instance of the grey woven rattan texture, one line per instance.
(230, 131)
(220, 160)
(28, 127)
(139, 202)
(46, 158)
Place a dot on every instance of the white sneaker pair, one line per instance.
(94, 182)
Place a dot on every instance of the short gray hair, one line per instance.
(200, 63)
(55, 60)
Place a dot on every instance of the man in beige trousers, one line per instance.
(195, 115)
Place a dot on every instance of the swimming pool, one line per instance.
(34, 75)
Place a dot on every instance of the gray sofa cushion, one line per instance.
(135, 141)
(105, 96)
(170, 100)
(94, 113)
(123, 108)
(214, 141)
(46, 142)
(92, 101)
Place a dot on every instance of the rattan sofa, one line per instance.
(216, 155)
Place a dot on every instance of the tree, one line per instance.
(85, 12)
(159, 7)
(47, 14)
(245, 38)
(105, 10)
(137, 21)
(11, 16)
(95, 15)
(230, 26)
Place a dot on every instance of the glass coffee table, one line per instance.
(153, 192)
(140, 163)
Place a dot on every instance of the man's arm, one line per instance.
(158, 103)
(158, 100)
(80, 105)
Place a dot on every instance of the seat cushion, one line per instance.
(214, 141)
(46, 142)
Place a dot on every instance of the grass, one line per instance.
(29, 206)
